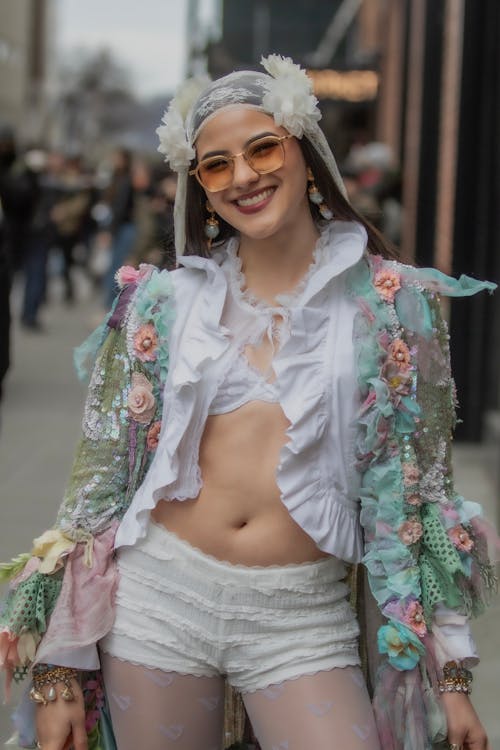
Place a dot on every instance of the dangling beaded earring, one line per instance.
(316, 197)
(212, 227)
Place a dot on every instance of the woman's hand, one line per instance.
(61, 725)
(464, 726)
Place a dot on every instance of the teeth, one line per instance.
(255, 198)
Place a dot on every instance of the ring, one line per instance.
(454, 746)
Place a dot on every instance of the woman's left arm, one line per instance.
(425, 545)
(451, 638)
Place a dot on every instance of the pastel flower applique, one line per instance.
(461, 539)
(411, 474)
(141, 402)
(399, 382)
(399, 353)
(51, 547)
(146, 343)
(401, 645)
(387, 283)
(414, 617)
(414, 499)
(153, 436)
(408, 611)
(126, 275)
(410, 531)
(130, 275)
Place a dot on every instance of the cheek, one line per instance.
(298, 187)
(220, 207)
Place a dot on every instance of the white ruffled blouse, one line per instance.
(315, 384)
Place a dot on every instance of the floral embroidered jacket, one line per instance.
(424, 544)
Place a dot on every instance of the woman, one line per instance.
(228, 406)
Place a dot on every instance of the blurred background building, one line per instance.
(27, 65)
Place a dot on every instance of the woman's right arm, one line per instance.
(60, 599)
(61, 724)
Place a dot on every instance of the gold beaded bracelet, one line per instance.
(456, 679)
(52, 675)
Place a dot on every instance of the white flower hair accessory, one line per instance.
(173, 141)
(290, 95)
(172, 134)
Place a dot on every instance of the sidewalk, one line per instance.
(40, 425)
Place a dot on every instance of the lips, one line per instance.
(252, 202)
(254, 198)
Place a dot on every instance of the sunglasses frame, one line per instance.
(231, 159)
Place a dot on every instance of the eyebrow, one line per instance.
(222, 152)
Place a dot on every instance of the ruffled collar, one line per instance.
(245, 297)
(339, 246)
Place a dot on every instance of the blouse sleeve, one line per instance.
(452, 638)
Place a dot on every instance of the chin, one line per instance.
(263, 233)
(259, 228)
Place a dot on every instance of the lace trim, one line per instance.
(286, 300)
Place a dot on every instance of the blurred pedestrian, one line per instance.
(17, 195)
(120, 197)
(156, 241)
(70, 216)
(44, 170)
(26, 225)
(7, 232)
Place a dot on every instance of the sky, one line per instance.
(148, 37)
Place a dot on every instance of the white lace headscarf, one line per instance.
(285, 92)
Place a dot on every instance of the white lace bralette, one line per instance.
(242, 383)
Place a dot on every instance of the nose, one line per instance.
(243, 174)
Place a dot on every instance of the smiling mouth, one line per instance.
(255, 199)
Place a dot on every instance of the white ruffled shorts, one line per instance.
(180, 610)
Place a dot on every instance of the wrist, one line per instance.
(455, 678)
(51, 682)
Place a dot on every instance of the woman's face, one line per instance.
(258, 206)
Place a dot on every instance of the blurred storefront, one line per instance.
(439, 109)
(422, 78)
(27, 65)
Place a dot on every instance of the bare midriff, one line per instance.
(239, 516)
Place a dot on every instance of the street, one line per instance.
(40, 423)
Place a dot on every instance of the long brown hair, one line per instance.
(196, 212)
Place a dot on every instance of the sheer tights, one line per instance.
(158, 710)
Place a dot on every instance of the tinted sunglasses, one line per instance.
(266, 154)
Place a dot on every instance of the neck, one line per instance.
(276, 265)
